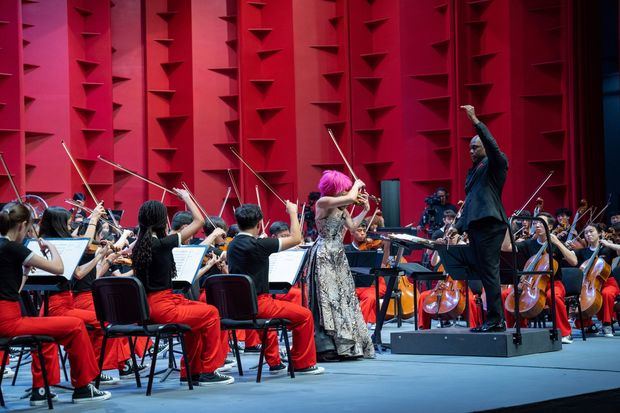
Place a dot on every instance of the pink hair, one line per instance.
(332, 183)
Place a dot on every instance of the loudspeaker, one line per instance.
(390, 202)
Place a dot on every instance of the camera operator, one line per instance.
(436, 205)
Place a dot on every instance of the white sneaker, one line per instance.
(107, 380)
(8, 373)
(567, 340)
(311, 370)
(607, 331)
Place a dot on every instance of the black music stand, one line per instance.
(419, 273)
(392, 274)
(459, 261)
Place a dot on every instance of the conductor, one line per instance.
(483, 217)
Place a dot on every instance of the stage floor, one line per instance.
(388, 383)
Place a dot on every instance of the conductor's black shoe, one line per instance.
(496, 327)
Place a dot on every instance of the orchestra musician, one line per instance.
(610, 290)
(366, 295)
(560, 251)
(248, 254)
(15, 263)
(154, 265)
(483, 217)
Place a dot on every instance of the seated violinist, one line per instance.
(424, 318)
(608, 251)
(449, 216)
(531, 248)
(614, 218)
(366, 295)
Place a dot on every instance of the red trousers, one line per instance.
(424, 318)
(368, 300)
(293, 296)
(561, 315)
(303, 352)
(62, 304)
(606, 314)
(203, 341)
(117, 350)
(68, 331)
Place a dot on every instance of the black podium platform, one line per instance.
(461, 342)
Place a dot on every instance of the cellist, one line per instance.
(608, 252)
(424, 318)
(559, 251)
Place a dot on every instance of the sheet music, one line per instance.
(411, 238)
(69, 249)
(284, 266)
(188, 260)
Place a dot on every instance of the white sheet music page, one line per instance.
(69, 249)
(284, 266)
(188, 261)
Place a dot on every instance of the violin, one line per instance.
(595, 272)
(224, 246)
(447, 300)
(370, 244)
(532, 297)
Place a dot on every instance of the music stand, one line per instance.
(392, 274)
(362, 263)
(459, 261)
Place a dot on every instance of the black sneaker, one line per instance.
(89, 393)
(107, 380)
(277, 369)
(37, 398)
(215, 378)
(253, 349)
(593, 329)
(311, 370)
(128, 371)
(195, 378)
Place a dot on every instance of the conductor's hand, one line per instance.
(291, 208)
(471, 113)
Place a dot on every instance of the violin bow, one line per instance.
(520, 211)
(596, 217)
(372, 219)
(234, 185)
(225, 201)
(204, 213)
(8, 174)
(346, 162)
(137, 175)
(90, 211)
(77, 168)
(260, 178)
(262, 221)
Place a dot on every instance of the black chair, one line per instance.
(234, 296)
(35, 344)
(572, 278)
(123, 311)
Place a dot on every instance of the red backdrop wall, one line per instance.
(166, 87)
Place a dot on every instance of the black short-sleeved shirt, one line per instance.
(605, 253)
(159, 276)
(86, 283)
(13, 256)
(532, 246)
(250, 256)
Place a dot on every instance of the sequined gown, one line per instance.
(338, 320)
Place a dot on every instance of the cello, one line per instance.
(447, 300)
(532, 298)
(595, 273)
